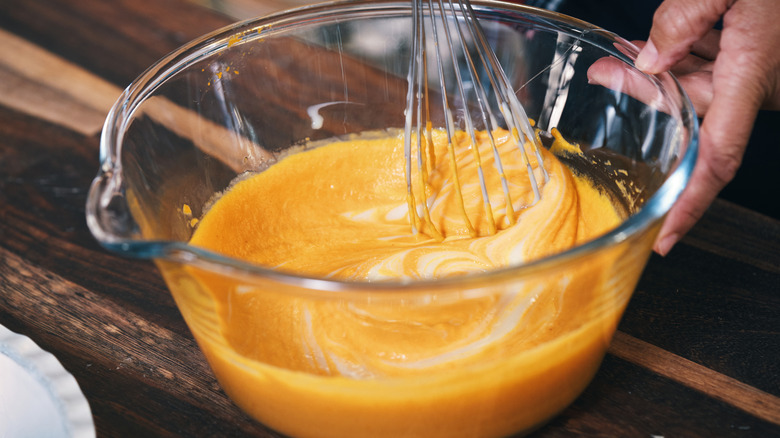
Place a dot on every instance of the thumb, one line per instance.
(677, 25)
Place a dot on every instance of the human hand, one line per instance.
(729, 75)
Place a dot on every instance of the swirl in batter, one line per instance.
(339, 211)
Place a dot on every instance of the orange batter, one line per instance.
(487, 363)
(339, 211)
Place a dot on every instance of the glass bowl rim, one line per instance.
(181, 252)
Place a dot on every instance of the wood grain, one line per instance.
(245, 9)
(695, 376)
(627, 400)
(114, 40)
(714, 298)
(37, 82)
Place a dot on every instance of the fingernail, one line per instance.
(665, 245)
(647, 57)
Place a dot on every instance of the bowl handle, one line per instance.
(108, 212)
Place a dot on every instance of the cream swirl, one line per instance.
(339, 211)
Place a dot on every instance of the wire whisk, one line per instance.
(451, 58)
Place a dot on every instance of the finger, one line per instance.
(677, 26)
(715, 166)
(619, 76)
(639, 43)
(698, 86)
(720, 154)
(616, 75)
(723, 138)
(690, 64)
(708, 46)
(688, 209)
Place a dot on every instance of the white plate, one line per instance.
(38, 397)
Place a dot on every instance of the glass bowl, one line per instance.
(238, 99)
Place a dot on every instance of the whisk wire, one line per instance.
(466, 29)
(448, 113)
(481, 100)
(513, 112)
(416, 60)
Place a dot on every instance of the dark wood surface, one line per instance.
(697, 353)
